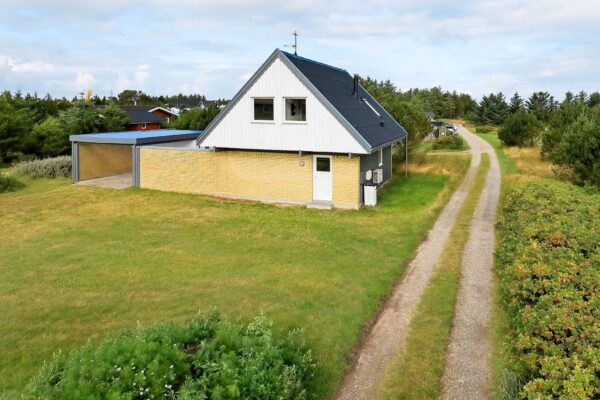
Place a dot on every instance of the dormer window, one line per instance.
(263, 109)
(295, 109)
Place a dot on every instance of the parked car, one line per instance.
(451, 129)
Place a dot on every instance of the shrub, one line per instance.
(449, 142)
(548, 263)
(575, 148)
(206, 359)
(521, 129)
(46, 167)
(9, 183)
(484, 129)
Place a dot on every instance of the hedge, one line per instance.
(207, 358)
(548, 263)
(449, 142)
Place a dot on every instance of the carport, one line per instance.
(111, 159)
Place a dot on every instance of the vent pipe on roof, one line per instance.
(355, 89)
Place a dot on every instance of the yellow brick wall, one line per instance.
(98, 160)
(266, 176)
(346, 181)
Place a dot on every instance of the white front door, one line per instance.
(322, 178)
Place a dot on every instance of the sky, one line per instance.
(63, 47)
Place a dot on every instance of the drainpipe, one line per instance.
(406, 156)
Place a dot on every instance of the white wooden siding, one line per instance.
(321, 132)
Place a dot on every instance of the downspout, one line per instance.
(406, 156)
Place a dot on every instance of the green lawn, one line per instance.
(79, 263)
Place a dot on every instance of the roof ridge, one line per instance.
(313, 61)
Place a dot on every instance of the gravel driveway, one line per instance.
(389, 331)
(467, 374)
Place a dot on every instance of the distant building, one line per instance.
(147, 117)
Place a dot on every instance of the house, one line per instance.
(298, 132)
(147, 117)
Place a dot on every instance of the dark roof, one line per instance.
(337, 85)
(142, 114)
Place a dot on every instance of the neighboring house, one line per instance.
(147, 117)
(298, 132)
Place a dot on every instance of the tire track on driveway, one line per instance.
(388, 334)
(468, 373)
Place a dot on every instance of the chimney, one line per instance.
(355, 89)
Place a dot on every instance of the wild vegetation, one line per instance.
(569, 131)
(9, 183)
(81, 263)
(449, 142)
(549, 268)
(46, 167)
(207, 358)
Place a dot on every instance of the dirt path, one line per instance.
(467, 374)
(389, 331)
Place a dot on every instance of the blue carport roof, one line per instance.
(137, 137)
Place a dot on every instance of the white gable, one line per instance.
(321, 132)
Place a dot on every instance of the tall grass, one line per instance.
(47, 167)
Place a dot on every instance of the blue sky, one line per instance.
(212, 47)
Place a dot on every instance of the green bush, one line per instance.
(9, 183)
(449, 142)
(46, 167)
(206, 359)
(548, 262)
(574, 145)
(521, 129)
(484, 129)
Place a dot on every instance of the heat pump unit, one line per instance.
(378, 176)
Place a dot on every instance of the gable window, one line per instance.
(295, 109)
(263, 109)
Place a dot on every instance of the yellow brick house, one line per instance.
(298, 132)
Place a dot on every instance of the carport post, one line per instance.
(75, 161)
(135, 164)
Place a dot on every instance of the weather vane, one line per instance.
(295, 45)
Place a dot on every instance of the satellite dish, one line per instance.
(369, 175)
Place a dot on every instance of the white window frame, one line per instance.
(263, 121)
(290, 122)
(144, 126)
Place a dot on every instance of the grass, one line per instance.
(417, 370)
(81, 263)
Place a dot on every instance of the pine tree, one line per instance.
(516, 103)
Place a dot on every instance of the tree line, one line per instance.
(39, 127)
(567, 131)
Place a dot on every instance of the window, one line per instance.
(371, 107)
(380, 157)
(263, 109)
(143, 126)
(295, 109)
(323, 164)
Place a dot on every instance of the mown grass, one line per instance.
(79, 263)
(417, 370)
